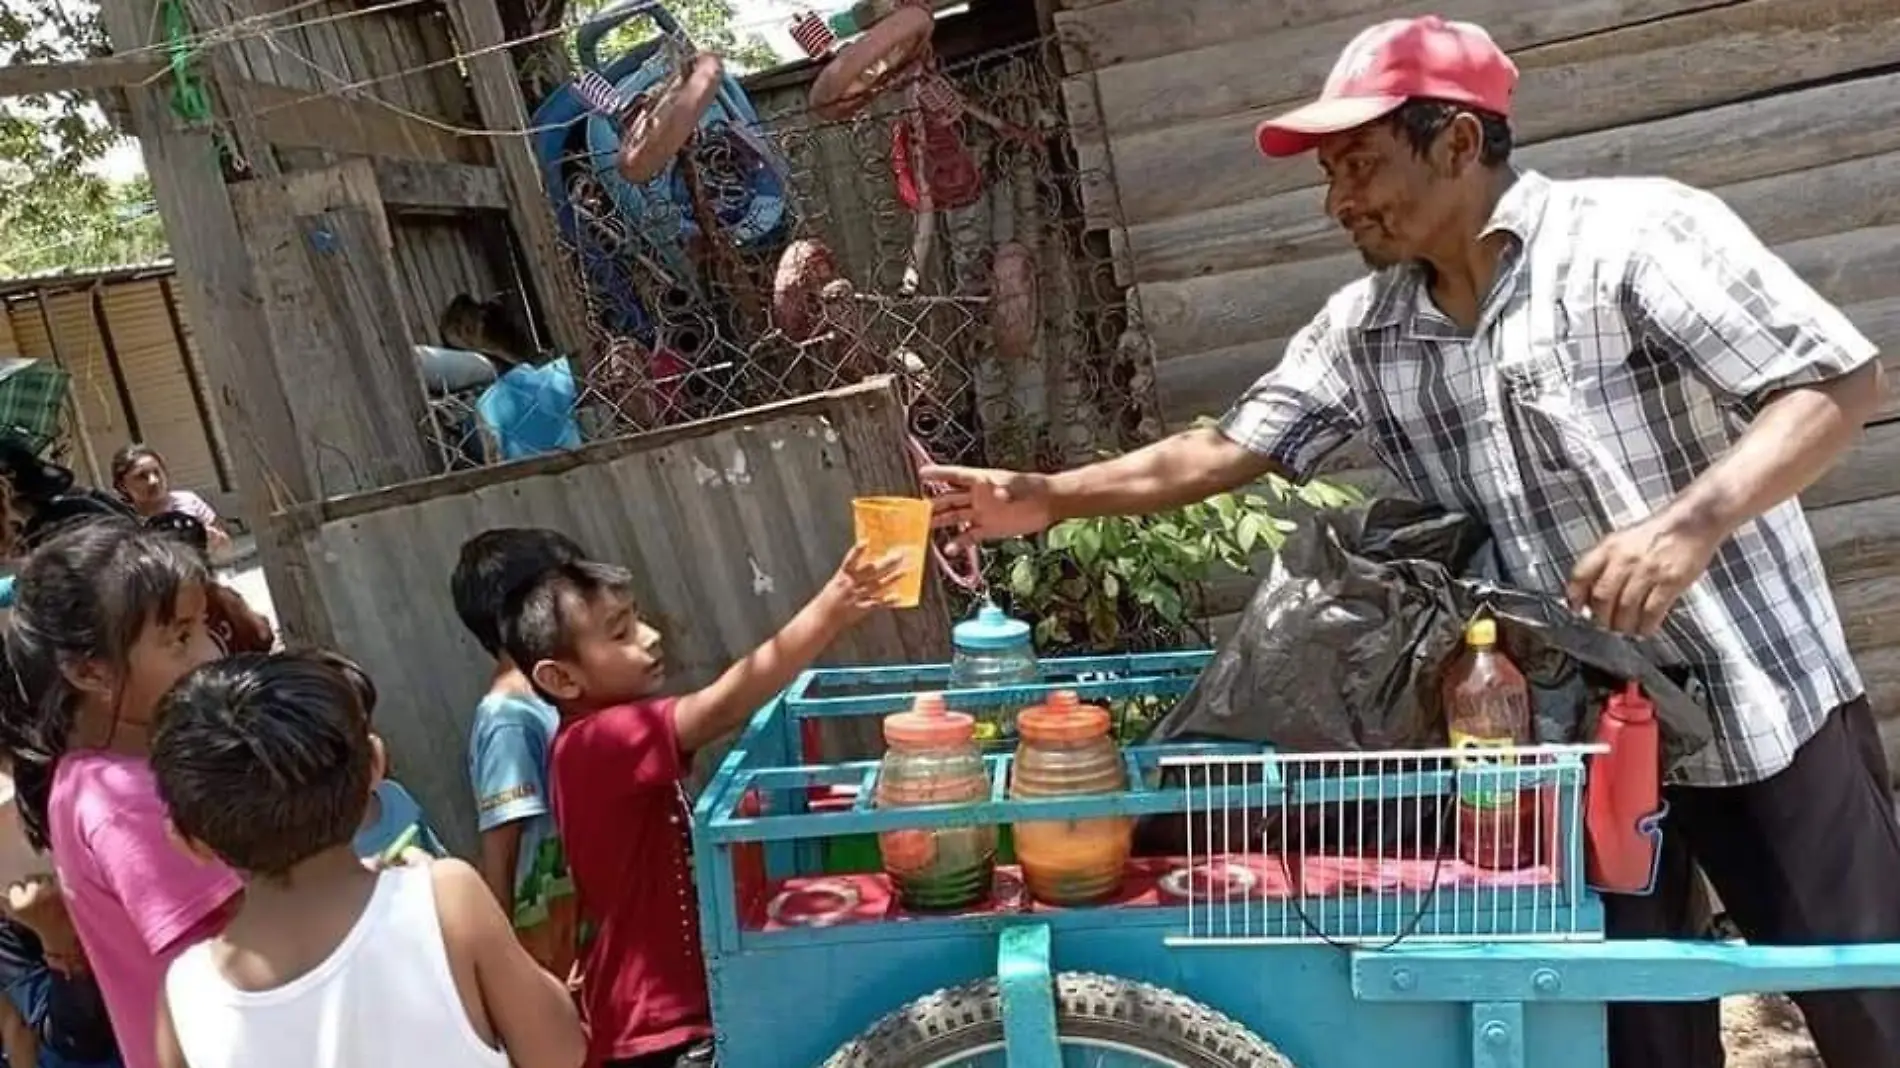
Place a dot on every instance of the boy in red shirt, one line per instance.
(616, 770)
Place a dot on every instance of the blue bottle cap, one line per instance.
(990, 629)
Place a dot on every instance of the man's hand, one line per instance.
(36, 902)
(1631, 580)
(989, 505)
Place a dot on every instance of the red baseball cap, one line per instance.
(1389, 64)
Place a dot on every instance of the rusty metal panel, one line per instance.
(728, 526)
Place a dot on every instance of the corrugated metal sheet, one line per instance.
(729, 527)
(155, 374)
(153, 363)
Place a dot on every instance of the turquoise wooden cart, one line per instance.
(1313, 912)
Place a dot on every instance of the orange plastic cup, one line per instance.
(896, 525)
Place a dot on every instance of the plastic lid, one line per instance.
(929, 723)
(1630, 705)
(1064, 719)
(1482, 633)
(990, 628)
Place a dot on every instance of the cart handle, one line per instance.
(587, 38)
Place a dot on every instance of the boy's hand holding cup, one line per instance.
(864, 584)
(896, 527)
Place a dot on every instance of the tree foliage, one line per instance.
(708, 22)
(55, 211)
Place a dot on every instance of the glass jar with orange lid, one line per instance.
(932, 759)
(1066, 751)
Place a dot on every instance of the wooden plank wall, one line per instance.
(1789, 109)
(758, 502)
(390, 91)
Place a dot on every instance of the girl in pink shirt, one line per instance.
(107, 617)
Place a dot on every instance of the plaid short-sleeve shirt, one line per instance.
(1634, 327)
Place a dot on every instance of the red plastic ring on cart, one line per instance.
(820, 904)
(655, 135)
(1218, 880)
(873, 63)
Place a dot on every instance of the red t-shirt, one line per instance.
(625, 824)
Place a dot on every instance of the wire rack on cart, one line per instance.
(1369, 850)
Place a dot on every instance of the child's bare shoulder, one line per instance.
(464, 905)
(457, 883)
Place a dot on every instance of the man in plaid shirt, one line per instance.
(1630, 390)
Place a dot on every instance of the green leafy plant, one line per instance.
(1126, 584)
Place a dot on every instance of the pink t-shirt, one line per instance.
(192, 505)
(133, 895)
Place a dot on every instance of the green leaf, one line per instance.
(1023, 577)
(1249, 531)
(1168, 602)
(1061, 536)
(1111, 586)
(1051, 630)
(1087, 545)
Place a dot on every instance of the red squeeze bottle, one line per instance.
(1623, 800)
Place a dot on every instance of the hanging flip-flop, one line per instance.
(873, 63)
(1013, 301)
(804, 270)
(655, 134)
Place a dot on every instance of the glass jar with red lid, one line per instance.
(932, 759)
(1067, 751)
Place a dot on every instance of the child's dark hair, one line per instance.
(87, 594)
(127, 458)
(266, 757)
(538, 620)
(496, 563)
(184, 526)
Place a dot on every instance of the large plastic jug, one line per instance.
(1066, 751)
(991, 650)
(932, 759)
(1623, 801)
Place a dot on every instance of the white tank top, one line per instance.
(386, 996)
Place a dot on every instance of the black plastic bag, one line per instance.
(1342, 648)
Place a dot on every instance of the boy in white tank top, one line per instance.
(267, 763)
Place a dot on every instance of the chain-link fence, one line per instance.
(935, 235)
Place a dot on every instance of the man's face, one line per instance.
(1390, 198)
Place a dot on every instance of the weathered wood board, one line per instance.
(1694, 60)
(1721, 147)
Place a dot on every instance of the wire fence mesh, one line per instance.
(936, 236)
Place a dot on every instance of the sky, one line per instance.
(767, 19)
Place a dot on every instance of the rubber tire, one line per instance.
(872, 63)
(1137, 1015)
(669, 122)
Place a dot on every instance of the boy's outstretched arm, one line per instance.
(860, 586)
(533, 1017)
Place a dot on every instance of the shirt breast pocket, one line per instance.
(1558, 381)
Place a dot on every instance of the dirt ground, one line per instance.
(1766, 1032)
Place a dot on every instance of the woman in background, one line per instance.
(140, 476)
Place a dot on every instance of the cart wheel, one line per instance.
(1013, 310)
(654, 136)
(1101, 1020)
(872, 63)
(804, 270)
